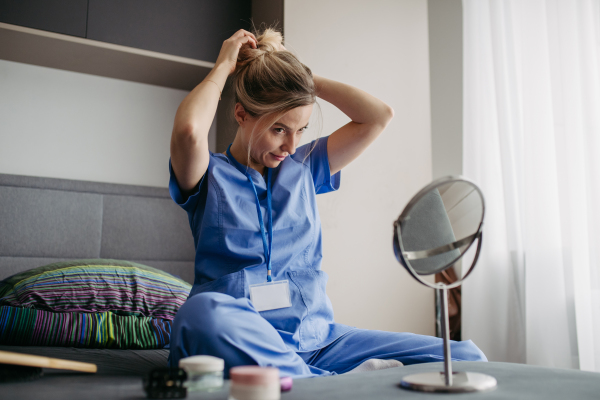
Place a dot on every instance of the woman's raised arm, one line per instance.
(189, 140)
(369, 117)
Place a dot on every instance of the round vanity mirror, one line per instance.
(438, 226)
(434, 233)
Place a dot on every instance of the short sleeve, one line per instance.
(190, 202)
(318, 161)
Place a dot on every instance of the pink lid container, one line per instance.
(254, 375)
(286, 383)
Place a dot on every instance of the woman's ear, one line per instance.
(239, 113)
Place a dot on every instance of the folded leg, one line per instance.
(359, 345)
(219, 325)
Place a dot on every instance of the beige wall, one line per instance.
(380, 46)
(445, 60)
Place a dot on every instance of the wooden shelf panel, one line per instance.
(54, 50)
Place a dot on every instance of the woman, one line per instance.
(259, 292)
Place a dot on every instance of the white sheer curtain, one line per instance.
(532, 142)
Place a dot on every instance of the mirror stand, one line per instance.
(433, 232)
(448, 381)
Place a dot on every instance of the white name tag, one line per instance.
(270, 295)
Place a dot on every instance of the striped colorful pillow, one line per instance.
(94, 303)
(29, 327)
(97, 286)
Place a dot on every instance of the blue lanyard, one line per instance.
(267, 249)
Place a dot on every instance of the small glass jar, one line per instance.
(254, 383)
(204, 373)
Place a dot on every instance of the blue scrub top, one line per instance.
(229, 247)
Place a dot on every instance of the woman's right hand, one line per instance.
(190, 154)
(231, 47)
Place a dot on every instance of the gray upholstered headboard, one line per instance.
(44, 220)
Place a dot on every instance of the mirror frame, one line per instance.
(478, 235)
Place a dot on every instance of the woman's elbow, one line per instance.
(185, 137)
(389, 113)
(386, 116)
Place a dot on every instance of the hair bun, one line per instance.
(268, 41)
(269, 81)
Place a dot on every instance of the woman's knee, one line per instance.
(203, 303)
(202, 315)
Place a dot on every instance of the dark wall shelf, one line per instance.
(172, 43)
(187, 28)
(54, 50)
(59, 16)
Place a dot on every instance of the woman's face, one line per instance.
(280, 139)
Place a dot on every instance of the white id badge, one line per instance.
(270, 295)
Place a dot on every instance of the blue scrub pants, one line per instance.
(219, 325)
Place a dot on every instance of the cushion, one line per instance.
(97, 286)
(95, 303)
(30, 327)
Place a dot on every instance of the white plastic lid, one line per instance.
(202, 364)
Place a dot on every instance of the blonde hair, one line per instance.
(268, 82)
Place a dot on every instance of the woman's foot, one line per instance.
(375, 364)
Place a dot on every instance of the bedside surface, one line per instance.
(515, 381)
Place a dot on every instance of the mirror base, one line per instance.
(461, 382)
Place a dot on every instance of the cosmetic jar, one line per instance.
(254, 383)
(286, 383)
(204, 373)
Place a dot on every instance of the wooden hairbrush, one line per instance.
(18, 367)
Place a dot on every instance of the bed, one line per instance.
(45, 220)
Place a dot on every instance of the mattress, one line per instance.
(109, 361)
